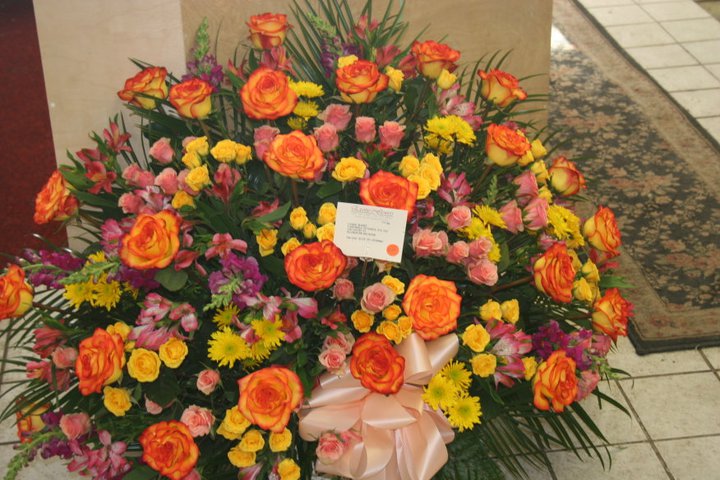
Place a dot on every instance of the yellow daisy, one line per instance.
(226, 347)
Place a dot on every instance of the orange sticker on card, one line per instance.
(370, 232)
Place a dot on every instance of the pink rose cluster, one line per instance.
(54, 356)
(474, 257)
(332, 446)
(334, 352)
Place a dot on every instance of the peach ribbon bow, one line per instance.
(401, 437)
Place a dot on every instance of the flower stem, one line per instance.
(511, 284)
(205, 128)
(485, 173)
(294, 190)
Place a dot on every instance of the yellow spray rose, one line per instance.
(116, 400)
(510, 311)
(476, 337)
(144, 365)
(279, 442)
(290, 245)
(267, 239)
(182, 199)
(298, 218)
(491, 311)
(397, 286)
(326, 232)
(362, 321)
(349, 169)
(240, 458)
(327, 213)
(252, 441)
(173, 352)
(198, 178)
(484, 364)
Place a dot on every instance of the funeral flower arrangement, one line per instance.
(242, 307)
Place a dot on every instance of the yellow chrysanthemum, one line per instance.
(269, 332)
(227, 347)
(307, 89)
(306, 110)
(489, 216)
(463, 131)
(226, 316)
(105, 293)
(77, 293)
(297, 123)
(259, 351)
(565, 225)
(439, 393)
(464, 412)
(457, 374)
(97, 257)
(476, 229)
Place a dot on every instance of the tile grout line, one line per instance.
(6, 348)
(645, 431)
(707, 360)
(669, 374)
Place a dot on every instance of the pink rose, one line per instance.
(458, 253)
(535, 214)
(512, 216)
(459, 217)
(391, 134)
(587, 383)
(130, 203)
(167, 180)
(207, 381)
(137, 177)
(263, 138)
(427, 243)
(330, 448)
(337, 115)
(545, 241)
(198, 420)
(365, 129)
(342, 340)
(327, 137)
(333, 359)
(152, 407)
(376, 297)
(194, 475)
(343, 289)
(162, 151)
(527, 187)
(64, 357)
(75, 425)
(480, 247)
(600, 344)
(483, 272)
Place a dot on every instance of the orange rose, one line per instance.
(152, 242)
(268, 30)
(145, 87)
(500, 87)
(54, 201)
(433, 57)
(267, 95)
(295, 155)
(611, 313)
(377, 365)
(16, 295)
(504, 146)
(433, 305)
(29, 421)
(100, 361)
(565, 178)
(555, 383)
(554, 273)
(192, 98)
(385, 189)
(268, 396)
(315, 266)
(602, 232)
(360, 82)
(169, 449)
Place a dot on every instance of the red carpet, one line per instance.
(26, 147)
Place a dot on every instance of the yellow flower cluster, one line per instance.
(426, 173)
(448, 390)
(227, 151)
(444, 132)
(98, 292)
(349, 169)
(194, 151)
(227, 347)
(235, 426)
(587, 289)
(300, 222)
(307, 89)
(396, 328)
(565, 225)
(508, 311)
(484, 217)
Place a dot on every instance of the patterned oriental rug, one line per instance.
(656, 170)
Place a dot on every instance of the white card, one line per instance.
(370, 232)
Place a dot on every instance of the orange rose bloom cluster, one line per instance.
(192, 98)
(100, 361)
(611, 313)
(267, 95)
(565, 178)
(168, 448)
(433, 305)
(555, 383)
(602, 232)
(295, 155)
(554, 273)
(153, 241)
(268, 30)
(360, 82)
(268, 396)
(144, 88)
(505, 146)
(433, 57)
(377, 365)
(54, 201)
(500, 87)
(385, 189)
(29, 421)
(16, 295)
(315, 266)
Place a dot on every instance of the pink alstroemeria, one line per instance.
(98, 174)
(452, 103)
(116, 141)
(277, 59)
(510, 345)
(455, 189)
(225, 180)
(224, 243)
(186, 314)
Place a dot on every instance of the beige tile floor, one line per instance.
(677, 42)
